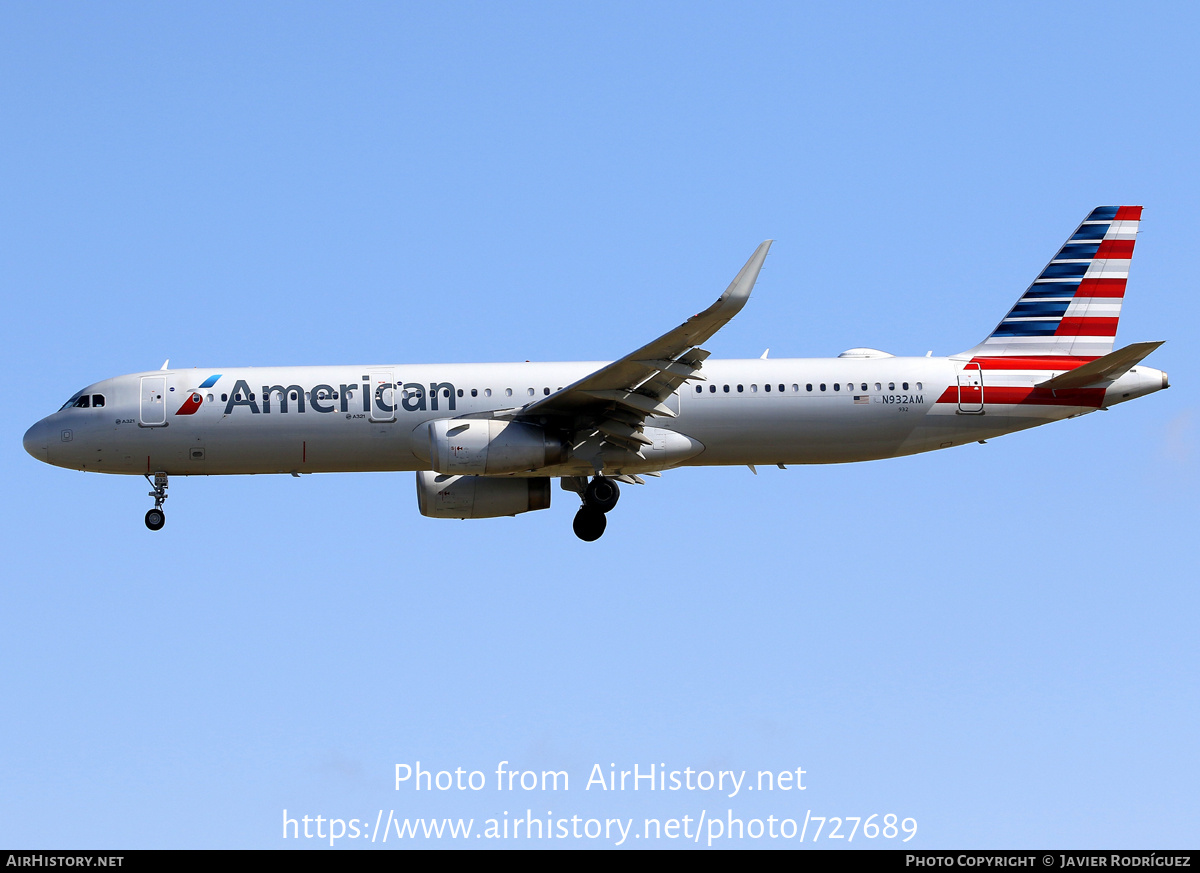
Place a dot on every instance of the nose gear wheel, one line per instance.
(155, 518)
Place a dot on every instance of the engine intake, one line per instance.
(442, 496)
(481, 446)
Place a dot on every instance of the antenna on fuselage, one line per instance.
(164, 366)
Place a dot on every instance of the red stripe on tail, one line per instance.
(1087, 327)
(1116, 248)
(1101, 288)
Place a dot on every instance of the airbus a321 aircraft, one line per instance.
(486, 440)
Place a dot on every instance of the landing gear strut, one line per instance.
(599, 497)
(155, 518)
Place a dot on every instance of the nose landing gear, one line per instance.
(155, 518)
(599, 497)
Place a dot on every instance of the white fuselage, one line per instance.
(758, 411)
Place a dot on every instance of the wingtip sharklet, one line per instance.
(743, 282)
(738, 292)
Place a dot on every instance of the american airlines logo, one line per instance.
(195, 399)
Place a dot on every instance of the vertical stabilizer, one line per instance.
(1073, 306)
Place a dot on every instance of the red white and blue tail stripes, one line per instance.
(1073, 306)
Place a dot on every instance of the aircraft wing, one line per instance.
(618, 397)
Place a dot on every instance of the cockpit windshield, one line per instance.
(83, 401)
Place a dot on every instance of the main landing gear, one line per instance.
(599, 497)
(155, 518)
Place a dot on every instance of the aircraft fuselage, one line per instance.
(373, 418)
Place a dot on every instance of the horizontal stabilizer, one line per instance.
(1107, 369)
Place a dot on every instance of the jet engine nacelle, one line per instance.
(442, 496)
(484, 446)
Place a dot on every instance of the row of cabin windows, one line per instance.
(782, 388)
(96, 401)
(508, 392)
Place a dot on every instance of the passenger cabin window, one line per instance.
(712, 389)
(891, 386)
(822, 386)
(905, 386)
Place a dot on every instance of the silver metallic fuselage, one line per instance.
(336, 422)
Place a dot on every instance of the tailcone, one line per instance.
(1138, 382)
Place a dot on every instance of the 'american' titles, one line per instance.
(414, 397)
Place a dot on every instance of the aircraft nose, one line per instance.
(37, 442)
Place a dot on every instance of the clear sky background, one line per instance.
(998, 641)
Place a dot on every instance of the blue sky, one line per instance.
(998, 641)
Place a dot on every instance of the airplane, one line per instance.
(485, 440)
